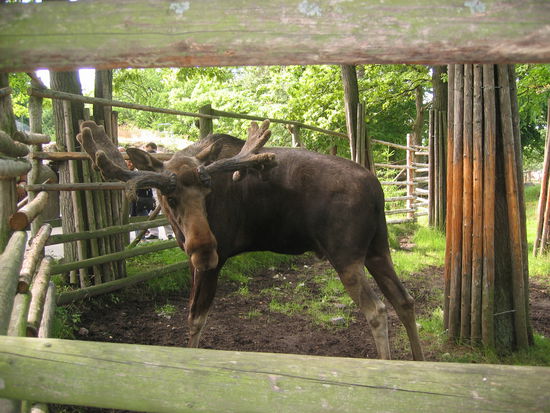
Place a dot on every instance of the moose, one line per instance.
(224, 196)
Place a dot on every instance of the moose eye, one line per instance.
(172, 202)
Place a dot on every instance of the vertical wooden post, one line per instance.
(351, 99)
(75, 195)
(467, 210)
(539, 246)
(489, 175)
(514, 214)
(35, 123)
(410, 176)
(206, 126)
(7, 184)
(477, 205)
(295, 133)
(431, 168)
(456, 223)
(449, 209)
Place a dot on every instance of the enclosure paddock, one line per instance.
(104, 34)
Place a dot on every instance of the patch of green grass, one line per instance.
(253, 314)
(539, 266)
(66, 321)
(428, 250)
(289, 307)
(172, 282)
(241, 267)
(167, 310)
(432, 331)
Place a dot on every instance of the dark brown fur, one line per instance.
(308, 202)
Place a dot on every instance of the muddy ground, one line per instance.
(245, 322)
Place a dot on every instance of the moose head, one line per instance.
(183, 181)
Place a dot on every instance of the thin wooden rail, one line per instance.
(54, 94)
(158, 246)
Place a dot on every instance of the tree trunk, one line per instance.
(66, 82)
(351, 100)
(438, 202)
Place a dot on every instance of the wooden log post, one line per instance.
(431, 168)
(19, 314)
(540, 244)
(477, 207)
(410, 177)
(12, 148)
(467, 206)
(39, 289)
(295, 134)
(76, 199)
(32, 255)
(487, 274)
(489, 179)
(351, 100)
(514, 209)
(22, 218)
(10, 265)
(206, 126)
(48, 314)
(455, 226)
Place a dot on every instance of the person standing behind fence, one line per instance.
(151, 147)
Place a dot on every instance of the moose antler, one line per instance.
(109, 160)
(248, 157)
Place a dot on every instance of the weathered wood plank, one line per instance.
(143, 33)
(166, 379)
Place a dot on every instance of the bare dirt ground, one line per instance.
(245, 322)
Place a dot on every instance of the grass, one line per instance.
(428, 248)
(435, 341)
(539, 267)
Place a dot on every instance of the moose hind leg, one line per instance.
(381, 268)
(200, 301)
(355, 282)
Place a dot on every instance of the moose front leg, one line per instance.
(202, 294)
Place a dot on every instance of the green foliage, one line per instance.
(65, 322)
(533, 83)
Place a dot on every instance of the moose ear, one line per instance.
(144, 161)
(210, 153)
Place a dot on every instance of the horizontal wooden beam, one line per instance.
(69, 297)
(167, 33)
(171, 379)
(115, 256)
(54, 94)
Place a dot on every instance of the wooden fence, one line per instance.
(542, 236)
(28, 297)
(410, 185)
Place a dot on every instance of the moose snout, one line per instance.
(204, 260)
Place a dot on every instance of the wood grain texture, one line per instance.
(168, 379)
(164, 33)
